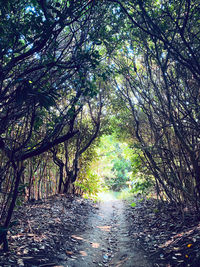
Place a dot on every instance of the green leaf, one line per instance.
(133, 204)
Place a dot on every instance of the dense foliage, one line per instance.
(158, 83)
(48, 62)
(71, 71)
(113, 163)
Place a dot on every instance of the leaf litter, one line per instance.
(45, 230)
(46, 233)
(169, 237)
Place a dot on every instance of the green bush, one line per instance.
(90, 185)
(141, 186)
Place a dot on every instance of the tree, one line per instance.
(88, 122)
(54, 54)
(164, 124)
(173, 26)
(157, 81)
(45, 60)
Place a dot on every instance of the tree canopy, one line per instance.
(72, 71)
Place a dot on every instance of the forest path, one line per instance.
(107, 241)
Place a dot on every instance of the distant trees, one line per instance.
(113, 162)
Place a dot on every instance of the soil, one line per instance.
(107, 242)
(69, 231)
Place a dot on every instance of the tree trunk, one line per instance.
(61, 167)
(18, 169)
(67, 185)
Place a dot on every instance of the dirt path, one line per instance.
(72, 231)
(107, 241)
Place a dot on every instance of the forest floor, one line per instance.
(75, 232)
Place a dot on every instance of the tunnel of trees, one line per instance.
(74, 71)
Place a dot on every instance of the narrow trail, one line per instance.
(107, 241)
